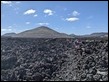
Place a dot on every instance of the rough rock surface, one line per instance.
(24, 59)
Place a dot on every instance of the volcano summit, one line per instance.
(41, 32)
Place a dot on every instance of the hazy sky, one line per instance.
(78, 17)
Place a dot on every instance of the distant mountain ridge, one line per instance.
(46, 32)
(99, 34)
(9, 34)
(96, 34)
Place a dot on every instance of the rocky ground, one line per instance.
(24, 59)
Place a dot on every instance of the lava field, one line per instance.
(58, 59)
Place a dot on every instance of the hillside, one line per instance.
(42, 32)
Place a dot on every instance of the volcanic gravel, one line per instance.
(62, 59)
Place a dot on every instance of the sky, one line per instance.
(70, 17)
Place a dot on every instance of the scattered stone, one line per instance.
(25, 59)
